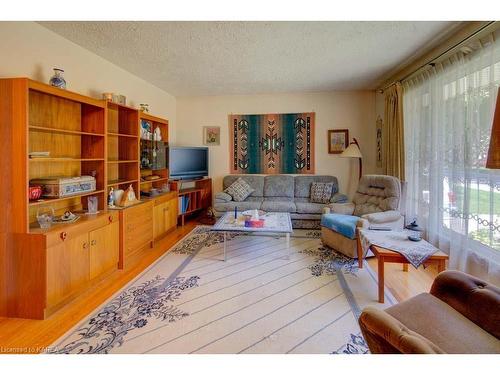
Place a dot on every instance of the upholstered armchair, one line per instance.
(461, 314)
(377, 203)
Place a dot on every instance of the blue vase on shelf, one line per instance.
(57, 80)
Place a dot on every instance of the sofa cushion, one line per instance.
(256, 182)
(242, 206)
(223, 197)
(303, 184)
(278, 204)
(343, 224)
(309, 208)
(443, 325)
(321, 192)
(239, 190)
(278, 186)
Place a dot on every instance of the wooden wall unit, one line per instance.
(40, 270)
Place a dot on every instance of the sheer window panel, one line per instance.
(448, 113)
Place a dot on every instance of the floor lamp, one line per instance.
(353, 151)
(493, 161)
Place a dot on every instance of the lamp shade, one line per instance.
(493, 161)
(352, 151)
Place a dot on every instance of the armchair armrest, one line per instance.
(385, 334)
(472, 297)
(339, 208)
(383, 217)
(222, 197)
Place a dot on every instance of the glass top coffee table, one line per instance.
(274, 222)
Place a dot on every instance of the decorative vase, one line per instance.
(57, 79)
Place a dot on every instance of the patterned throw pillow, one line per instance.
(239, 190)
(321, 192)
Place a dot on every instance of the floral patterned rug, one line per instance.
(264, 299)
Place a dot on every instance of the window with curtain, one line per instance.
(448, 113)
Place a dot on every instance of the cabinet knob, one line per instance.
(93, 242)
(110, 218)
(63, 235)
(85, 245)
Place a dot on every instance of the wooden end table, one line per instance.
(384, 255)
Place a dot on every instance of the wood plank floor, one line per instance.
(32, 336)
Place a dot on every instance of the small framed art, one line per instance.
(338, 140)
(211, 135)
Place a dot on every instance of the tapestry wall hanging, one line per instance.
(272, 143)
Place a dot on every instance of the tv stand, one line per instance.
(199, 197)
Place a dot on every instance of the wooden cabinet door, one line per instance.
(171, 214)
(67, 268)
(104, 249)
(159, 220)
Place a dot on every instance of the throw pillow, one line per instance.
(239, 190)
(321, 192)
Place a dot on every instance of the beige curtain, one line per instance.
(393, 134)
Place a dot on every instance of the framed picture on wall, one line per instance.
(338, 140)
(211, 135)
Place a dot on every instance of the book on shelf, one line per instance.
(183, 202)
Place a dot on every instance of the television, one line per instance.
(187, 163)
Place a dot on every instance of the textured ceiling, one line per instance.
(222, 58)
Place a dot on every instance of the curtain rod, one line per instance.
(432, 60)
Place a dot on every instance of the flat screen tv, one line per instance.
(188, 162)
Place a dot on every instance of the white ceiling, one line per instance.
(223, 58)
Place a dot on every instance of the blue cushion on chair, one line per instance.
(343, 224)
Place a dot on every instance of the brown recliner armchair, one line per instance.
(461, 314)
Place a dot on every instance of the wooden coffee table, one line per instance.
(384, 255)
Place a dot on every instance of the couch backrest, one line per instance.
(255, 181)
(377, 193)
(280, 185)
(303, 184)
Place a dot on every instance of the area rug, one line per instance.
(264, 299)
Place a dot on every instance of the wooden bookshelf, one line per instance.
(199, 196)
(42, 269)
(72, 131)
(122, 147)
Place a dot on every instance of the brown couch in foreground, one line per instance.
(461, 314)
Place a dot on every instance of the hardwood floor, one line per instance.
(33, 336)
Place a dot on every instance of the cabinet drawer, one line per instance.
(138, 215)
(139, 236)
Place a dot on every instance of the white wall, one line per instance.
(334, 110)
(30, 50)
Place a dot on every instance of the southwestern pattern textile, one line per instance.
(272, 143)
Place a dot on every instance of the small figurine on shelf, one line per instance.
(157, 134)
(57, 80)
(128, 198)
(111, 198)
(143, 107)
